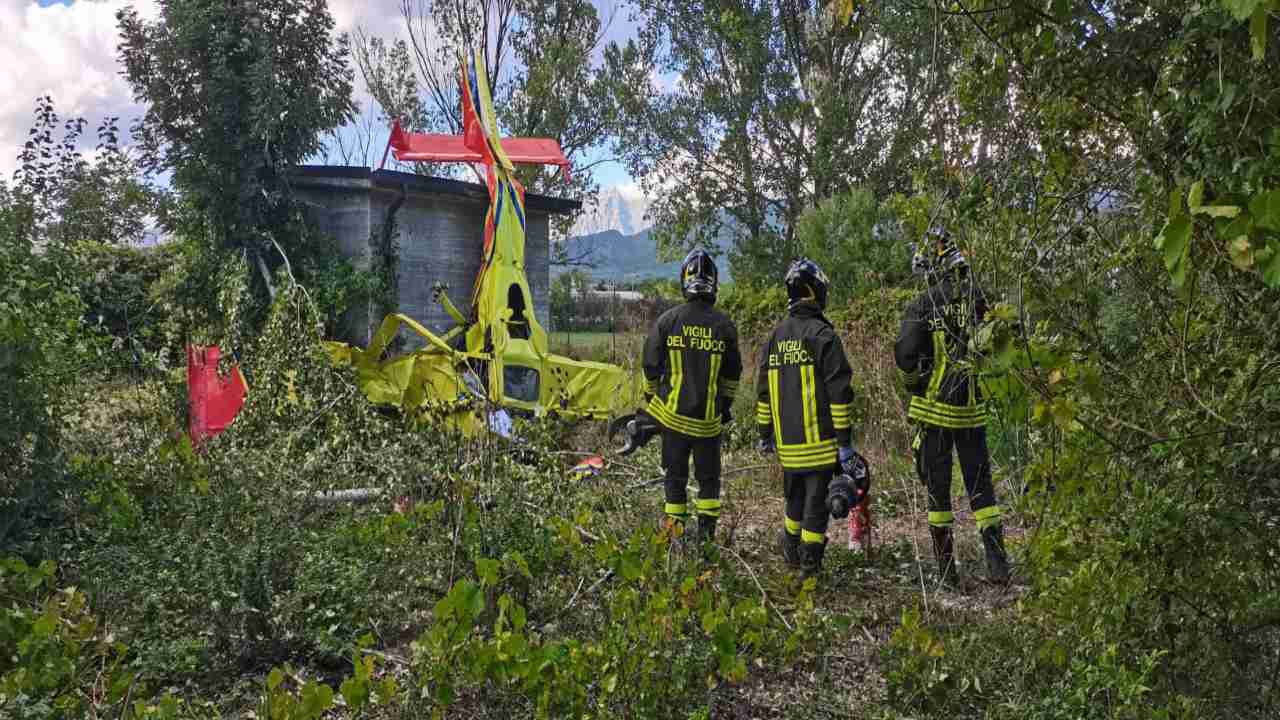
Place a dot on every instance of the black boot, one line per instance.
(944, 552)
(811, 557)
(706, 529)
(997, 559)
(790, 545)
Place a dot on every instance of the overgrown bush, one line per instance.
(44, 343)
(856, 242)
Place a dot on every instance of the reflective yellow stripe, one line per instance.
(811, 537)
(681, 424)
(677, 374)
(987, 516)
(949, 416)
(793, 526)
(762, 413)
(677, 510)
(711, 386)
(809, 394)
(939, 364)
(774, 399)
(941, 519)
(841, 416)
(807, 456)
(807, 465)
(815, 450)
(709, 508)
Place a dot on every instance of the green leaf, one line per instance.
(1241, 252)
(1271, 266)
(1265, 208)
(1258, 33)
(355, 692)
(1241, 9)
(487, 571)
(475, 601)
(1178, 273)
(316, 698)
(1175, 203)
(274, 678)
(1173, 241)
(1219, 211)
(1241, 225)
(119, 686)
(1196, 195)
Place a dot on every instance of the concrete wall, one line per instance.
(440, 225)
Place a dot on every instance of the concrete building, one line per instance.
(438, 237)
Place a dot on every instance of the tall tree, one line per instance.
(541, 56)
(1130, 194)
(236, 94)
(775, 106)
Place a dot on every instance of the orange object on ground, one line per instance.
(213, 400)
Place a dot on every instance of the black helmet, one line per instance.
(698, 276)
(938, 254)
(806, 281)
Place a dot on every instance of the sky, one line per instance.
(67, 49)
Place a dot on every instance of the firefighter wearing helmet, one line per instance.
(692, 366)
(946, 402)
(803, 412)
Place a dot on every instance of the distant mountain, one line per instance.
(620, 257)
(615, 237)
(616, 208)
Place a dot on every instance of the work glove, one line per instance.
(857, 468)
(845, 454)
(766, 447)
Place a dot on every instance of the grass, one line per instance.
(601, 346)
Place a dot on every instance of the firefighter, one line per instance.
(803, 412)
(946, 402)
(691, 369)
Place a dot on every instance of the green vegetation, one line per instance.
(1111, 171)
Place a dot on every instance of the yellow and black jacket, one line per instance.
(802, 391)
(932, 350)
(691, 368)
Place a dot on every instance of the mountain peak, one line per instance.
(619, 207)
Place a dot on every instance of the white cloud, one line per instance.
(64, 51)
(69, 53)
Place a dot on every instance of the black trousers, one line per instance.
(676, 451)
(806, 501)
(933, 447)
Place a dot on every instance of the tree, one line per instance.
(855, 241)
(237, 93)
(44, 343)
(1127, 202)
(540, 61)
(776, 107)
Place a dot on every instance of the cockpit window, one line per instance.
(520, 383)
